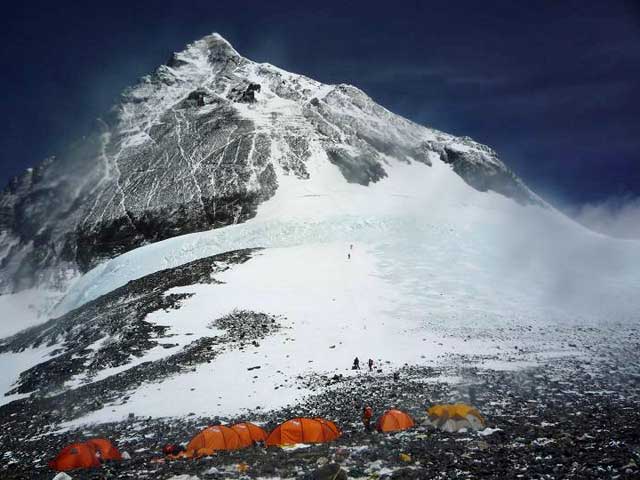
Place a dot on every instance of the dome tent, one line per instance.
(211, 439)
(249, 433)
(334, 428)
(394, 420)
(454, 417)
(303, 430)
(74, 456)
(107, 450)
(89, 454)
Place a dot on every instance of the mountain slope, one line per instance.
(199, 144)
(234, 235)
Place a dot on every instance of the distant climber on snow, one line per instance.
(370, 365)
(367, 414)
(356, 364)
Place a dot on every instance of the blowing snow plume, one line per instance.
(617, 217)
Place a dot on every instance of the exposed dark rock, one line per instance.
(245, 94)
(198, 96)
(332, 471)
(118, 320)
(562, 432)
(474, 169)
(362, 169)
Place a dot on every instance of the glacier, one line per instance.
(199, 144)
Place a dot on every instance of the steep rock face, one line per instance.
(199, 144)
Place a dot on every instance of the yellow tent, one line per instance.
(454, 417)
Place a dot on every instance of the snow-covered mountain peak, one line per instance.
(234, 234)
(212, 49)
(201, 143)
(217, 45)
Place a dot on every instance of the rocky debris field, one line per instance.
(571, 417)
(568, 413)
(113, 330)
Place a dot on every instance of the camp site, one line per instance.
(334, 240)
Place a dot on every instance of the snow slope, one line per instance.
(25, 309)
(332, 309)
(200, 144)
(441, 265)
(437, 269)
(427, 220)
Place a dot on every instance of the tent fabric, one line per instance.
(332, 426)
(303, 430)
(249, 433)
(74, 456)
(454, 417)
(211, 439)
(394, 420)
(108, 450)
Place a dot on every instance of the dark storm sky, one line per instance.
(553, 86)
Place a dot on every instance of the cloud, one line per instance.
(616, 216)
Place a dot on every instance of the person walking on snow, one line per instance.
(356, 364)
(367, 413)
(371, 365)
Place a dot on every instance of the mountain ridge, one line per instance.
(199, 144)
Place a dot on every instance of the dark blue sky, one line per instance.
(553, 86)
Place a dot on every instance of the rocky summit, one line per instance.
(199, 144)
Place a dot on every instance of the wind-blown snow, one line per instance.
(434, 233)
(24, 309)
(436, 268)
(331, 309)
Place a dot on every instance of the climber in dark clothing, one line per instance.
(356, 364)
(371, 365)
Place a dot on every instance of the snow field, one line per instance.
(333, 309)
(438, 268)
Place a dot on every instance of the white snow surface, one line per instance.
(436, 236)
(24, 309)
(436, 268)
(430, 257)
(15, 363)
(332, 308)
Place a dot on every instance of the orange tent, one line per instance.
(303, 430)
(76, 455)
(394, 420)
(249, 433)
(211, 439)
(108, 450)
(334, 428)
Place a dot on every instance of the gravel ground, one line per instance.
(567, 413)
(569, 417)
